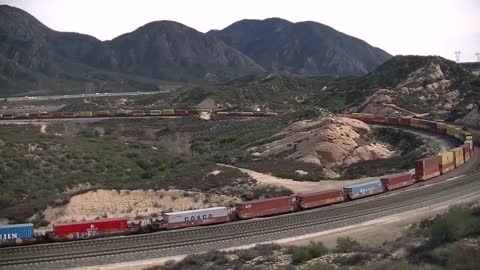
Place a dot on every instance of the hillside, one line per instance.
(305, 48)
(36, 59)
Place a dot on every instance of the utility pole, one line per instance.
(457, 56)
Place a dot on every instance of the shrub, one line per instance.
(456, 224)
(313, 250)
(347, 245)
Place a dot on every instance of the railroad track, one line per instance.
(108, 250)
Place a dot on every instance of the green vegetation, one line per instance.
(306, 253)
(347, 245)
(36, 169)
(411, 146)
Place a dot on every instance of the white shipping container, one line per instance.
(197, 214)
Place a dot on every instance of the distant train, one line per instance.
(426, 168)
(130, 113)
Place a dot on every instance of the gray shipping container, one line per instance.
(206, 213)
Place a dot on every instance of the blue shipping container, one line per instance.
(364, 189)
(432, 125)
(22, 231)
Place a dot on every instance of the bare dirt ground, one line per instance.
(297, 186)
(132, 204)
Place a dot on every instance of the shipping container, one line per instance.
(467, 136)
(85, 114)
(458, 156)
(379, 119)
(45, 115)
(155, 112)
(317, 199)
(403, 121)
(197, 217)
(57, 114)
(266, 207)
(466, 152)
(16, 232)
(34, 115)
(364, 189)
(70, 114)
(168, 112)
(137, 113)
(422, 124)
(441, 128)
(427, 168)
(447, 161)
(393, 120)
(90, 228)
(181, 112)
(432, 126)
(470, 144)
(396, 181)
(222, 113)
(101, 113)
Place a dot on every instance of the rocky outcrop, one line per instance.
(425, 90)
(329, 142)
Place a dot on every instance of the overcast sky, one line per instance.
(423, 27)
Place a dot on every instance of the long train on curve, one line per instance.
(128, 113)
(426, 168)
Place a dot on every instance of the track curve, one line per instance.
(170, 243)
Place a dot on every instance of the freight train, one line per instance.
(129, 113)
(426, 168)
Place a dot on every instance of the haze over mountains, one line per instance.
(37, 59)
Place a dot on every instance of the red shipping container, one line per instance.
(393, 120)
(316, 199)
(396, 181)
(427, 168)
(404, 121)
(90, 228)
(181, 112)
(57, 114)
(266, 207)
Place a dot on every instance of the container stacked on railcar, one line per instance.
(17, 234)
(396, 181)
(197, 217)
(364, 189)
(265, 207)
(447, 161)
(458, 156)
(316, 199)
(427, 168)
(90, 229)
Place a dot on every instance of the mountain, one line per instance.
(35, 59)
(171, 50)
(305, 48)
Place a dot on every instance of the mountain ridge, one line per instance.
(36, 59)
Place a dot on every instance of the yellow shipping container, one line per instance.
(168, 111)
(155, 112)
(447, 161)
(85, 114)
(458, 156)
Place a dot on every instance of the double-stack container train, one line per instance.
(130, 113)
(425, 169)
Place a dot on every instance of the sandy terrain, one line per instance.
(131, 204)
(297, 186)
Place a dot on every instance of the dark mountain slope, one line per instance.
(35, 59)
(306, 48)
(172, 50)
